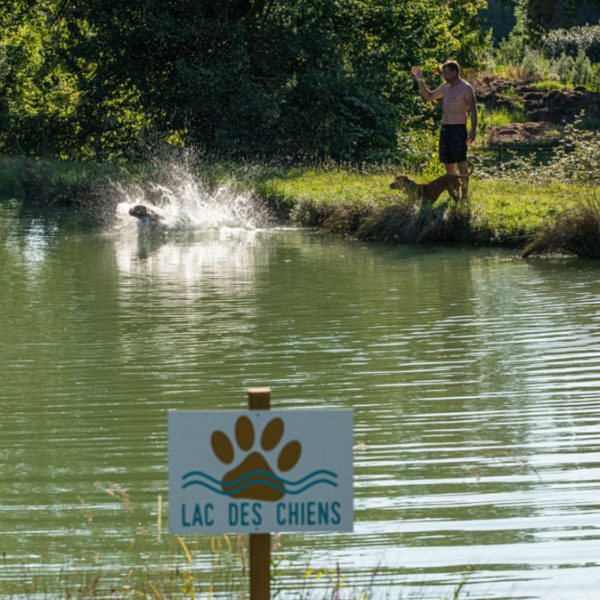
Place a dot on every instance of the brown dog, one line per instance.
(428, 193)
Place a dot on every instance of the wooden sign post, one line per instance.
(257, 471)
(260, 543)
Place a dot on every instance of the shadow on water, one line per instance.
(49, 220)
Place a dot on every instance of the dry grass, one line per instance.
(403, 222)
(412, 223)
(573, 231)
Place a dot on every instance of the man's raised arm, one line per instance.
(425, 91)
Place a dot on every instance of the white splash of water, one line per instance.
(186, 202)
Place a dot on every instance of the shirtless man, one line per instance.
(458, 101)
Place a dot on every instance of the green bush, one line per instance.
(578, 157)
(563, 67)
(578, 71)
(536, 64)
(510, 51)
(417, 150)
(585, 73)
(573, 41)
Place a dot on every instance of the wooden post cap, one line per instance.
(259, 398)
(259, 390)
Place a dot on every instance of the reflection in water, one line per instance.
(229, 255)
(473, 376)
(214, 273)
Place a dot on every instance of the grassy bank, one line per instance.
(503, 210)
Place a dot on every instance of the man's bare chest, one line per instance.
(455, 97)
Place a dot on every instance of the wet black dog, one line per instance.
(149, 219)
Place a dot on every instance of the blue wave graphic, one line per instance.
(249, 474)
(265, 482)
(201, 474)
(259, 477)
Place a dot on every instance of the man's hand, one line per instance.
(471, 137)
(416, 71)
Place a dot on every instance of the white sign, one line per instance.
(260, 471)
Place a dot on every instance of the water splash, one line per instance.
(184, 201)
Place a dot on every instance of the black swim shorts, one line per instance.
(453, 143)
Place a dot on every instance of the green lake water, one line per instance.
(474, 378)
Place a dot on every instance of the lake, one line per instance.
(474, 377)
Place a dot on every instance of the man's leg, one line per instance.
(463, 169)
(451, 168)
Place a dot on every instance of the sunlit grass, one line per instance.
(512, 71)
(489, 119)
(500, 116)
(509, 210)
(549, 85)
(502, 210)
(331, 186)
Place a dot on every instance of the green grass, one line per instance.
(511, 210)
(15, 171)
(488, 119)
(331, 186)
(500, 116)
(503, 211)
(549, 85)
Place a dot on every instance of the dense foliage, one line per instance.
(536, 17)
(291, 79)
(571, 42)
(567, 55)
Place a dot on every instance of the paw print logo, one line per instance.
(253, 477)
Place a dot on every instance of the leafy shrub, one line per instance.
(289, 81)
(579, 71)
(563, 67)
(417, 149)
(585, 73)
(536, 64)
(573, 41)
(510, 51)
(578, 157)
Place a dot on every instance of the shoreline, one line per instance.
(503, 212)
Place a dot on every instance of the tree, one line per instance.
(280, 78)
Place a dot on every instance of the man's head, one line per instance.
(450, 71)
